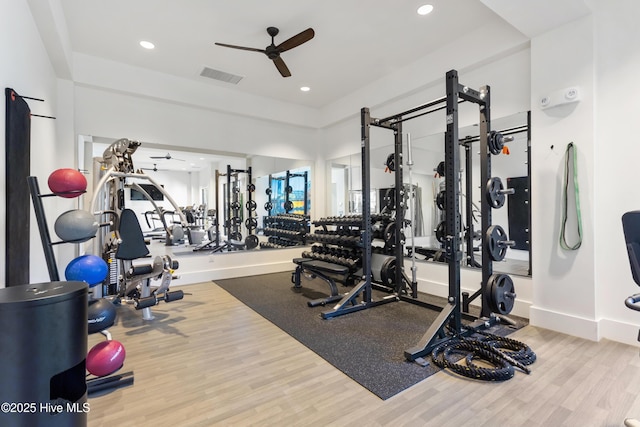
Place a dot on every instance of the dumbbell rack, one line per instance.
(340, 241)
(285, 230)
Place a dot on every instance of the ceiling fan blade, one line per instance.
(252, 49)
(296, 40)
(282, 67)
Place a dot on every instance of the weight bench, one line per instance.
(136, 279)
(330, 273)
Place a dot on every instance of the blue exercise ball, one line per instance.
(87, 268)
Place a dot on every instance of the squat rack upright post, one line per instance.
(448, 323)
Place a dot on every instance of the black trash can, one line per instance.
(43, 350)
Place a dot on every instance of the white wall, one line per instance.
(615, 178)
(25, 67)
(564, 283)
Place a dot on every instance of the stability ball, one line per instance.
(87, 268)
(76, 226)
(101, 315)
(68, 183)
(105, 358)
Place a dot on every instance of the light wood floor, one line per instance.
(209, 360)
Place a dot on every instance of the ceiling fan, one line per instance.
(273, 52)
(155, 168)
(166, 157)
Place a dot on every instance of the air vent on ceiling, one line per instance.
(220, 75)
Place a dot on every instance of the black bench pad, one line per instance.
(325, 267)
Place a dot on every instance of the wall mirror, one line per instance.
(197, 181)
(512, 166)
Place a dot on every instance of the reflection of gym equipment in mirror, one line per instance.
(287, 221)
(496, 291)
(288, 194)
(234, 219)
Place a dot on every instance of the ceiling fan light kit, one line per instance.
(273, 52)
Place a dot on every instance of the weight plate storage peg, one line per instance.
(502, 293)
(497, 243)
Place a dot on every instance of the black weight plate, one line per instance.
(236, 236)
(268, 206)
(441, 199)
(268, 191)
(390, 235)
(251, 241)
(251, 205)
(495, 142)
(236, 220)
(388, 272)
(289, 189)
(501, 294)
(391, 162)
(288, 205)
(441, 231)
(251, 223)
(389, 198)
(494, 194)
(251, 188)
(235, 205)
(493, 238)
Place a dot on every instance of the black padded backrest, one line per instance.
(631, 228)
(132, 245)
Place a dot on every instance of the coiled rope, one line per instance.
(504, 354)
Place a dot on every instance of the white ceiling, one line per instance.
(356, 43)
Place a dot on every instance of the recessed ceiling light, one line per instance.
(425, 9)
(147, 45)
(305, 88)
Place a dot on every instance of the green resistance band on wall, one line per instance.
(571, 162)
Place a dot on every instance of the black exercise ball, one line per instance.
(101, 314)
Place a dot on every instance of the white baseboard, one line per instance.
(565, 323)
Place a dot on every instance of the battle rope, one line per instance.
(570, 161)
(519, 355)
